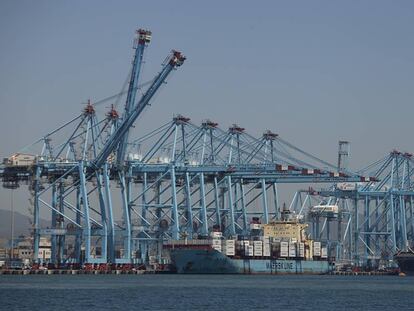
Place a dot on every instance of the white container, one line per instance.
(301, 250)
(255, 226)
(266, 252)
(250, 250)
(324, 252)
(216, 242)
(258, 248)
(284, 249)
(229, 244)
(230, 252)
(258, 252)
(317, 249)
(292, 250)
(216, 234)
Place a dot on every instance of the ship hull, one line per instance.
(405, 262)
(210, 261)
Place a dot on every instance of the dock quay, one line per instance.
(363, 273)
(140, 272)
(75, 272)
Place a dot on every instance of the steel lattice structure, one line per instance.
(180, 180)
(375, 219)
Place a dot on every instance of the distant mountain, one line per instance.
(22, 224)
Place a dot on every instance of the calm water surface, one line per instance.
(205, 292)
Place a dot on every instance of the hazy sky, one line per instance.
(312, 71)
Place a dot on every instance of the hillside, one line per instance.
(21, 224)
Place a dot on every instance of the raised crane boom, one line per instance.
(142, 39)
(175, 60)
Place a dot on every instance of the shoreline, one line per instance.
(141, 272)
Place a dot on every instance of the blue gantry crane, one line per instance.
(72, 178)
(143, 38)
(188, 180)
(365, 222)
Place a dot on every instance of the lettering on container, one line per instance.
(280, 265)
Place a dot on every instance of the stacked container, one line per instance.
(229, 247)
(258, 248)
(284, 249)
(301, 250)
(250, 250)
(324, 252)
(216, 235)
(309, 250)
(216, 240)
(216, 244)
(255, 226)
(266, 246)
(246, 245)
(317, 249)
(292, 250)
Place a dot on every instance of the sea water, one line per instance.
(205, 292)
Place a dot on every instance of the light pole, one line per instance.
(12, 224)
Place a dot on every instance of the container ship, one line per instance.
(280, 247)
(405, 262)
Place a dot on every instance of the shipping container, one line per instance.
(257, 243)
(216, 234)
(250, 250)
(255, 226)
(216, 242)
(230, 252)
(20, 159)
(258, 252)
(284, 249)
(301, 250)
(292, 250)
(317, 249)
(266, 252)
(230, 242)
